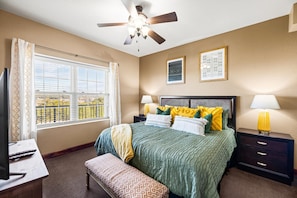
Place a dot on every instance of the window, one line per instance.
(69, 92)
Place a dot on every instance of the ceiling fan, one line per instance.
(139, 24)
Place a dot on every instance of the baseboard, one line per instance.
(69, 150)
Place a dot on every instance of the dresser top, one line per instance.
(271, 134)
(33, 166)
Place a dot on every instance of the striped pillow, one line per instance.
(158, 120)
(190, 125)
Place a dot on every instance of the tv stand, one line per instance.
(31, 171)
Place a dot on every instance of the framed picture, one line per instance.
(175, 70)
(213, 64)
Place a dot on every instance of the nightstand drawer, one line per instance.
(263, 159)
(263, 143)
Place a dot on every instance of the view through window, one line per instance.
(69, 92)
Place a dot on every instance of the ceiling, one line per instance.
(197, 19)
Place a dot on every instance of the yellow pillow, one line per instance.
(182, 111)
(217, 121)
(187, 112)
(179, 110)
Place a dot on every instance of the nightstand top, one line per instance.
(141, 115)
(271, 134)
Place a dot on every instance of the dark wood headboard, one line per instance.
(227, 102)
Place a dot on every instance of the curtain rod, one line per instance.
(71, 54)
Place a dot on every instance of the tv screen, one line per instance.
(4, 125)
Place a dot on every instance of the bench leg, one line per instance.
(87, 180)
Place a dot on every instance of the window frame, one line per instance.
(74, 94)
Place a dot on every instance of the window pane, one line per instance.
(92, 75)
(82, 86)
(90, 106)
(50, 84)
(101, 76)
(52, 108)
(38, 83)
(91, 87)
(64, 72)
(100, 87)
(52, 77)
(91, 80)
(64, 85)
(82, 73)
(38, 68)
(50, 70)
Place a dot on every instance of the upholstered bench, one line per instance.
(121, 180)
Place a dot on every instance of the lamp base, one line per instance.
(264, 122)
(146, 109)
(264, 132)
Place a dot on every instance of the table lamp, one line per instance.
(264, 102)
(146, 99)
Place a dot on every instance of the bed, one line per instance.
(189, 165)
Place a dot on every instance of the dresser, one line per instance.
(30, 185)
(270, 156)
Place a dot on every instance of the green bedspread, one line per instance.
(189, 165)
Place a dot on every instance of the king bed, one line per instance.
(190, 165)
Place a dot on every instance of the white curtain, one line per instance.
(114, 97)
(21, 90)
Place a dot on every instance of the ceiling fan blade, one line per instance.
(128, 40)
(170, 17)
(110, 24)
(130, 7)
(156, 36)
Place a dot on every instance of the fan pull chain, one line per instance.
(137, 45)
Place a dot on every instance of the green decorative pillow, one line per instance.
(225, 116)
(163, 112)
(197, 114)
(208, 117)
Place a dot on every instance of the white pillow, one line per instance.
(158, 120)
(190, 125)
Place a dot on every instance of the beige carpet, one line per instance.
(67, 180)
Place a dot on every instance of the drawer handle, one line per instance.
(261, 164)
(262, 143)
(261, 153)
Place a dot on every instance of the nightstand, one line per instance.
(139, 118)
(270, 156)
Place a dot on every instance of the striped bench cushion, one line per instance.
(119, 179)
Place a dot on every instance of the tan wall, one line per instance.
(60, 138)
(262, 59)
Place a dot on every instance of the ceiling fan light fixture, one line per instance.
(144, 31)
(131, 30)
(140, 20)
(138, 25)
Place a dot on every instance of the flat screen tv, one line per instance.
(4, 124)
